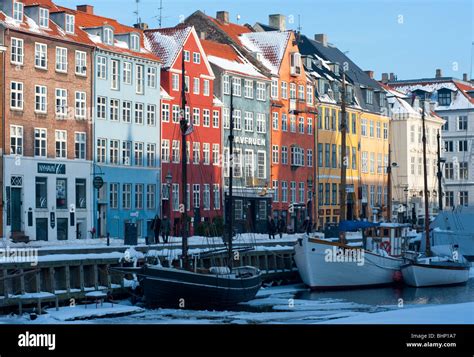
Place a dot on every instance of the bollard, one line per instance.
(108, 239)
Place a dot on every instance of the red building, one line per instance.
(203, 112)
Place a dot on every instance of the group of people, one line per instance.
(162, 226)
(280, 226)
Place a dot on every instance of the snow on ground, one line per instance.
(435, 314)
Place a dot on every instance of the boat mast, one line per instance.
(439, 174)
(425, 183)
(342, 192)
(389, 185)
(184, 162)
(231, 174)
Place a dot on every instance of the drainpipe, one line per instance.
(2, 163)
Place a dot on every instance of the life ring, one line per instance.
(385, 245)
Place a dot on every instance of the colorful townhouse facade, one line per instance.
(251, 103)
(126, 138)
(203, 113)
(47, 123)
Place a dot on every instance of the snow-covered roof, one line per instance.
(271, 45)
(167, 43)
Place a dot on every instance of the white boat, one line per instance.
(435, 271)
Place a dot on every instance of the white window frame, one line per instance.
(134, 42)
(17, 51)
(18, 94)
(215, 119)
(61, 102)
(43, 17)
(41, 137)
(41, 99)
(80, 104)
(80, 145)
(101, 67)
(70, 23)
(138, 113)
(139, 85)
(108, 36)
(114, 74)
(151, 77)
(126, 111)
(114, 109)
(206, 87)
(18, 9)
(16, 140)
(61, 59)
(248, 88)
(81, 63)
(127, 73)
(60, 137)
(151, 114)
(41, 54)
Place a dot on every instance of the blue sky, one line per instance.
(408, 37)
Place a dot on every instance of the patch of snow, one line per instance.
(244, 67)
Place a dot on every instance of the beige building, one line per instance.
(406, 132)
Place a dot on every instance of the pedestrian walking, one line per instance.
(156, 225)
(165, 229)
(281, 226)
(271, 227)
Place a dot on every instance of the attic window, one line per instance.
(108, 36)
(17, 11)
(69, 23)
(369, 96)
(44, 18)
(444, 97)
(295, 63)
(134, 43)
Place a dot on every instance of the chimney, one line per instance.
(384, 78)
(439, 74)
(392, 77)
(277, 21)
(223, 16)
(88, 9)
(464, 77)
(370, 74)
(141, 26)
(202, 35)
(321, 37)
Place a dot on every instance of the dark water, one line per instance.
(391, 295)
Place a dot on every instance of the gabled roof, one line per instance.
(272, 45)
(167, 42)
(229, 59)
(231, 29)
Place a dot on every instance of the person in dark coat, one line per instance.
(156, 228)
(165, 229)
(281, 226)
(307, 225)
(271, 227)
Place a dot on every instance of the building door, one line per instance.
(15, 199)
(41, 229)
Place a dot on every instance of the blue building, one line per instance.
(126, 127)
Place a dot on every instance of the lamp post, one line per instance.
(311, 196)
(169, 180)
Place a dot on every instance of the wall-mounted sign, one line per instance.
(249, 141)
(98, 182)
(55, 169)
(52, 218)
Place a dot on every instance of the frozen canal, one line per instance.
(293, 304)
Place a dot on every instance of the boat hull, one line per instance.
(183, 289)
(319, 272)
(421, 275)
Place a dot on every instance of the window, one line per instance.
(327, 149)
(126, 111)
(61, 143)
(16, 95)
(261, 123)
(61, 59)
(17, 11)
(113, 195)
(80, 105)
(61, 102)
(114, 109)
(301, 125)
(284, 191)
(275, 120)
(301, 92)
(206, 152)
(293, 191)
(16, 140)
(206, 87)
(284, 90)
(462, 122)
(444, 98)
(165, 112)
(138, 113)
(297, 156)
(175, 151)
(114, 72)
(196, 84)
(248, 121)
(215, 154)
(249, 163)
(196, 152)
(275, 154)
(126, 153)
(139, 79)
(127, 73)
(69, 23)
(378, 130)
(369, 96)
(463, 171)
(217, 196)
(238, 209)
(449, 196)
(248, 90)
(127, 196)
(206, 200)
(215, 119)
(41, 192)
(261, 91)
(462, 145)
(363, 127)
(186, 84)
(187, 56)
(17, 51)
(196, 195)
(40, 142)
(334, 156)
(151, 155)
(354, 158)
(41, 93)
(371, 128)
(138, 154)
(41, 55)
(237, 87)
(309, 94)
(372, 163)
(237, 119)
(237, 162)
(80, 146)
(292, 91)
(196, 57)
(226, 115)
(309, 153)
(284, 122)
(81, 63)
(275, 190)
(101, 67)
(135, 43)
(379, 163)
(101, 150)
(175, 82)
(464, 198)
(284, 155)
(196, 116)
(175, 189)
(354, 125)
(310, 126)
(445, 126)
(385, 131)
(261, 160)
(81, 193)
(365, 168)
(108, 36)
(292, 123)
(114, 152)
(206, 117)
(334, 194)
(151, 114)
(150, 196)
(320, 155)
(139, 196)
(449, 170)
(226, 84)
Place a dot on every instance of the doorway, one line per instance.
(16, 208)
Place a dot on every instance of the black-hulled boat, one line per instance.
(187, 286)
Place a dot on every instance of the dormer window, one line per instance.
(69, 23)
(369, 96)
(295, 64)
(44, 18)
(382, 99)
(444, 97)
(134, 43)
(108, 36)
(18, 11)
